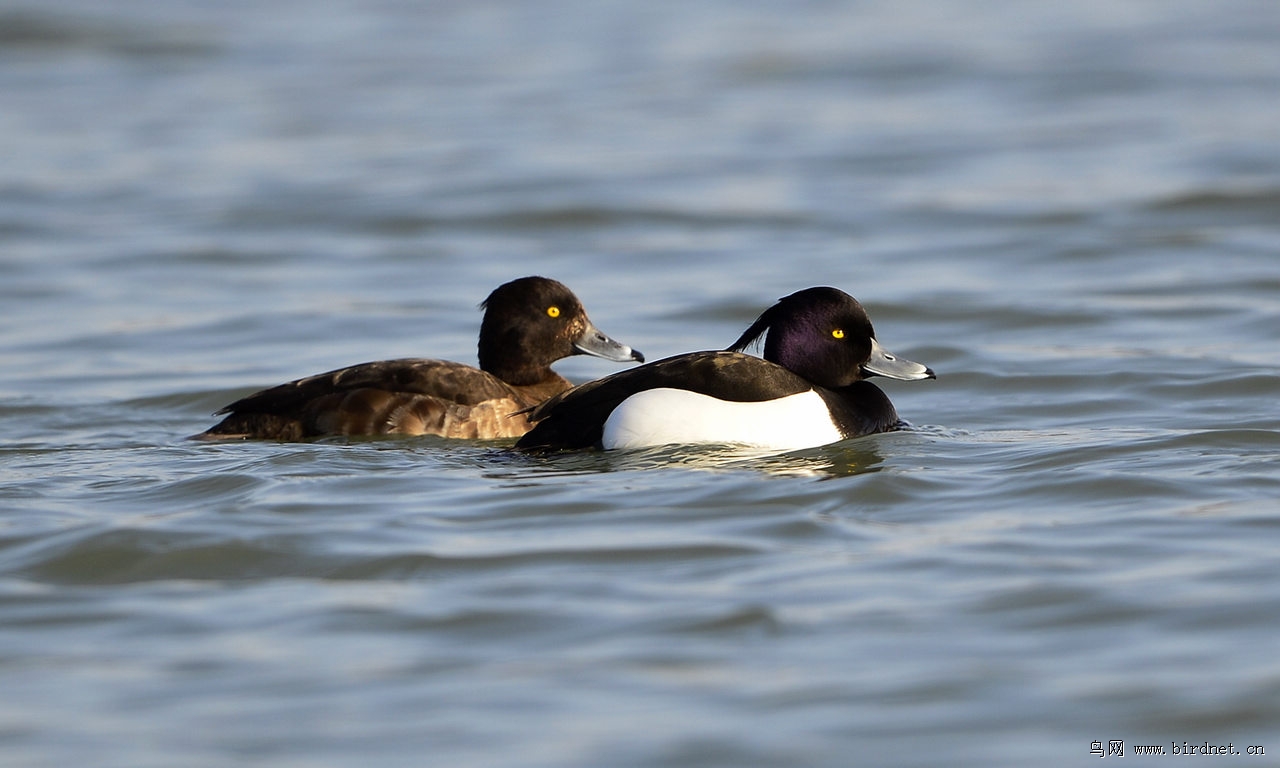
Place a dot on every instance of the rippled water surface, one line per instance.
(1071, 211)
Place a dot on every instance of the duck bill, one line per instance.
(883, 363)
(594, 342)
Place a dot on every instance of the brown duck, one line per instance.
(528, 324)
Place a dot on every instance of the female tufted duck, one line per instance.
(528, 324)
(809, 389)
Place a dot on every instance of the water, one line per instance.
(1071, 212)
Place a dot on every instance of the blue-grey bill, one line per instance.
(884, 363)
(594, 342)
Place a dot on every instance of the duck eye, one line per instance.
(838, 333)
(553, 311)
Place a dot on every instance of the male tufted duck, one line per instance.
(528, 324)
(809, 389)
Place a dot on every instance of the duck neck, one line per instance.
(860, 408)
(515, 372)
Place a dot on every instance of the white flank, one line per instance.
(665, 416)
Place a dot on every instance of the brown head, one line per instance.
(530, 323)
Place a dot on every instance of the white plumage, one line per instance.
(663, 416)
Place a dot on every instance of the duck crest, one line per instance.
(799, 334)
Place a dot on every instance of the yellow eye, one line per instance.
(553, 311)
(838, 333)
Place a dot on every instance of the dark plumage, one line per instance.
(528, 324)
(818, 339)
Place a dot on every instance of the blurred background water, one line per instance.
(1070, 210)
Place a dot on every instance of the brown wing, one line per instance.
(408, 396)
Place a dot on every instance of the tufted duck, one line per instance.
(808, 390)
(528, 324)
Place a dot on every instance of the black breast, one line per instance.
(860, 409)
